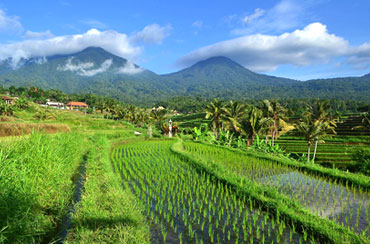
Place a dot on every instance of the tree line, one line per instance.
(268, 118)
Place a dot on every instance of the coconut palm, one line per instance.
(365, 122)
(215, 110)
(313, 131)
(101, 105)
(253, 124)
(156, 116)
(131, 113)
(318, 122)
(321, 112)
(141, 117)
(276, 113)
(234, 111)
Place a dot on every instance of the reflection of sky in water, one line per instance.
(333, 201)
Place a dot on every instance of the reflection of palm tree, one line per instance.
(277, 113)
(215, 110)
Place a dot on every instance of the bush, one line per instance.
(362, 158)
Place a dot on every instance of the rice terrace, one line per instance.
(185, 122)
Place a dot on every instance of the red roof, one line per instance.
(78, 104)
(7, 98)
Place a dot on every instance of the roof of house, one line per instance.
(79, 104)
(6, 97)
(54, 103)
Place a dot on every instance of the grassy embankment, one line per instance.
(107, 213)
(38, 178)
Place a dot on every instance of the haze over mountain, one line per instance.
(98, 71)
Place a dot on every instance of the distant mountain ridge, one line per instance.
(94, 70)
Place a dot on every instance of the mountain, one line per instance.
(94, 70)
(91, 70)
(223, 77)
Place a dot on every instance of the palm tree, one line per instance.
(277, 113)
(155, 116)
(141, 117)
(101, 105)
(131, 113)
(234, 111)
(365, 122)
(317, 123)
(313, 131)
(253, 124)
(321, 112)
(215, 110)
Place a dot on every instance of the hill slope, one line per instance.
(91, 70)
(95, 70)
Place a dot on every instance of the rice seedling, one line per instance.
(207, 210)
(321, 195)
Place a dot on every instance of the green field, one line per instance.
(101, 183)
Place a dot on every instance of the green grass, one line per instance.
(107, 213)
(36, 182)
(38, 174)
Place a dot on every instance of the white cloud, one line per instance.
(198, 24)
(360, 58)
(41, 60)
(92, 23)
(9, 23)
(263, 53)
(130, 69)
(84, 69)
(151, 34)
(38, 35)
(285, 15)
(257, 13)
(112, 41)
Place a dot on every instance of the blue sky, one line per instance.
(290, 38)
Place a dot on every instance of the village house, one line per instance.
(76, 105)
(7, 99)
(55, 105)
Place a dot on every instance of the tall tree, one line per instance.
(317, 123)
(215, 110)
(277, 113)
(253, 124)
(233, 114)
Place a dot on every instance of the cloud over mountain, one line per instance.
(42, 44)
(130, 69)
(85, 69)
(310, 45)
